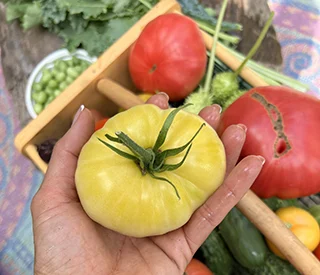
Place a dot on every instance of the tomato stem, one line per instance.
(154, 67)
(288, 225)
(152, 160)
(145, 3)
(214, 46)
(257, 44)
(165, 127)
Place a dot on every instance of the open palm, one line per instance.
(67, 241)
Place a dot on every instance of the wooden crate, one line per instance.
(56, 119)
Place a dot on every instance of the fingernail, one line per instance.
(262, 159)
(76, 116)
(217, 108)
(165, 95)
(243, 127)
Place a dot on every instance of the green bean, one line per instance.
(60, 77)
(57, 63)
(69, 80)
(46, 76)
(54, 72)
(78, 69)
(37, 87)
(52, 84)
(72, 72)
(49, 91)
(41, 98)
(85, 63)
(76, 61)
(63, 86)
(50, 99)
(69, 63)
(38, 108)
(56, 93)
(34, 95)
(63, 66)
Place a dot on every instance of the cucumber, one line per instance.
(243, 239)
(315, 212)
(275, 266)
(276, 203)
(216, 255)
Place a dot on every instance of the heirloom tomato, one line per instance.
(147, 170)
(99, 124)
(316, 252)
(196, 267)
(283, 127)
(169, 56)
(302, 224)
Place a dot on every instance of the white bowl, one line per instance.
(47, 62)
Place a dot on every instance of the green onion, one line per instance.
(223, 36)
(270, 76)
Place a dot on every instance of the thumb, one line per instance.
(64, 158)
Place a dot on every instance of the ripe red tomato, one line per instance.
(195, 267)
(316, 252)
(100, 123)
(169, 56)
(283, 127)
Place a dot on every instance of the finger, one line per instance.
(65, 154)
(212, 212)
(211, 115)
(160, 99)
(233, 139)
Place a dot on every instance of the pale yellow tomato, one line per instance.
(115, 192)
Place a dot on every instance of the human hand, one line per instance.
(67, 241)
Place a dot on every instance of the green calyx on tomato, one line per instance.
(153, 160)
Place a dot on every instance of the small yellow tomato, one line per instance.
(302, 224)
(141, 196)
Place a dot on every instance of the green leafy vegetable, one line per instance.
(88, 9)
(52, 14)
(92, 25)
(97, 36)
(29, 13)
(16, 11)
(32, 16)
(195, 10)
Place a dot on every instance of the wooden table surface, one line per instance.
(21, 51)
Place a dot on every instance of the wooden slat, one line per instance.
(32, 152)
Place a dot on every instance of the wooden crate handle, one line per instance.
(250, 205)
(118, 94)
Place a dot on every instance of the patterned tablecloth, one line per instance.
(297, 23)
